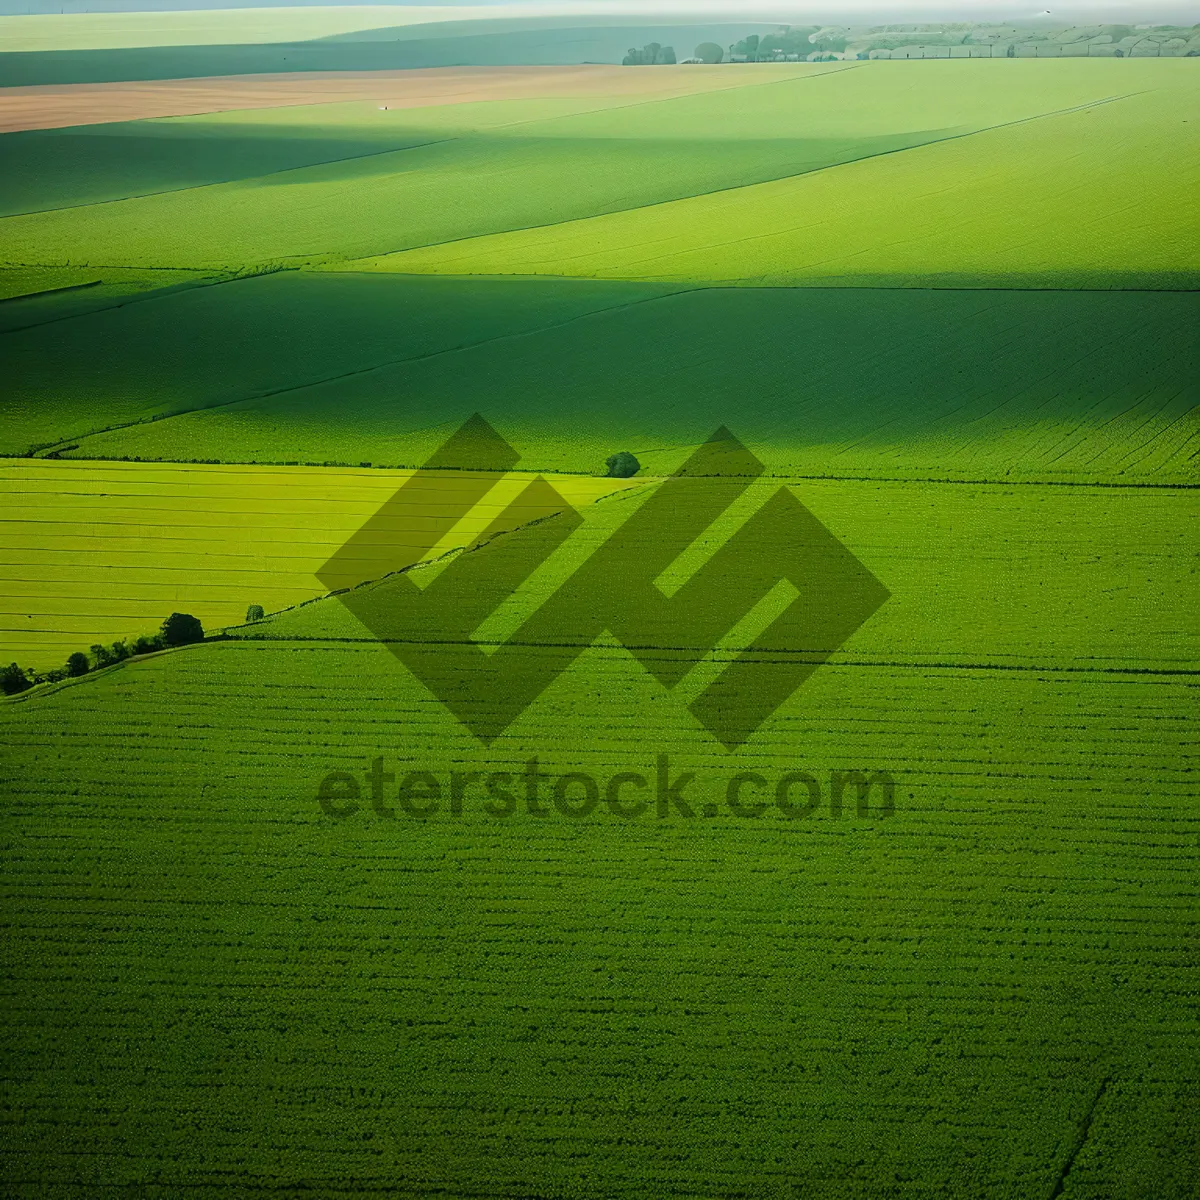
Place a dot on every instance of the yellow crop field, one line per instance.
(93, 552)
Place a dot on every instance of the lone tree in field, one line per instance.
(709, 52)
(622, 465)
(254, 613)
(14, 680)
(77, 664)
(179, 629)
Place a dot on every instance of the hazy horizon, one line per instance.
(848, 11)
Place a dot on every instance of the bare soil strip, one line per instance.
(54, 106)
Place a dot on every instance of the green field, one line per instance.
(1004, 207)
(951, 307)
(938, 996)
(663, 173)
(99, 552)
(337, 368)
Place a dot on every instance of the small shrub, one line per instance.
(181, 629)
(102, 655)
(146, 645)
(622, 465)
(254, 613)
(119, 651)
(78, 664)
(13, 680)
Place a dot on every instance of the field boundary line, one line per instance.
(195, 187)
(953, 137)
(141, 297)
(282, 467)
(66, 287)
(782, 656)
(753, 285)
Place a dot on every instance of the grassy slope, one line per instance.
(839, 1008)
(887, 382)
(1104, 196)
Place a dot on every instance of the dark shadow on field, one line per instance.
(948, 383)
(565, 30)
(251, 338)
(545, 47)
(64, 168)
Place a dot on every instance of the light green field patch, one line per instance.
(95, 552)
(1006, 577)
(539, 162)
(1101, 197)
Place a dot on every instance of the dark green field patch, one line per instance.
(889, 382)
(748, 1007)
(503, 48)
(69, 168)
(217, 345)
(32, 297)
